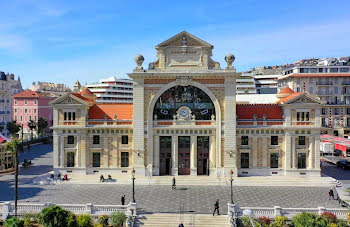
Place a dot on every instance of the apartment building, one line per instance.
(31, 105)
(329, 79)
(8, 87)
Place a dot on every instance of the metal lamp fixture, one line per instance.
(133, 185)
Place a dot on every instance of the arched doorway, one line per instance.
(185, 103)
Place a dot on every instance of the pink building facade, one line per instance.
(31, 105)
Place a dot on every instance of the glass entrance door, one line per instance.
(165, 155)
(184, 155)
(203, 155)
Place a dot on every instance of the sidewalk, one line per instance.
(324, 181)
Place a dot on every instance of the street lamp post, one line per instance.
(231, 179)
(133, 185)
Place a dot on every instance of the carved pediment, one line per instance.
(184, 39)
(68, 99)
(305, 98)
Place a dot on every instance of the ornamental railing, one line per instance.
(272, 212)
(8, 208)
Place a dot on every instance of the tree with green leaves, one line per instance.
(12, 147)
(1, 128)
(31, 126)
(42, 125)
(13, 128)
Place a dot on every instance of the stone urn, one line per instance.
(229, 58)
(139, 60)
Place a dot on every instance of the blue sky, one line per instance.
(62, 41)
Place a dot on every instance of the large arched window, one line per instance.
(174, 98)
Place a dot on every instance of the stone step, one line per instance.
(173, 220)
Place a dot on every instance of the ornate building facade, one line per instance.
(184, 120)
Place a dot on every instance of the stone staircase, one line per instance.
(173, 220)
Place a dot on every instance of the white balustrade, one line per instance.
(8, 208)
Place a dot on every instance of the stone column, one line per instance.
(212, 153)
(138, 126)
(62, 151)
(230, 125)
(78, 151)
(194, 155)
(115, 151)
(174, 150)
(105, 152)
(264, 152)
(156, 154)
(311, 152)
(255, 151)
(287, 151)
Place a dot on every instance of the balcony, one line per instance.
(324, 93)
(324, 83)
(346, 83)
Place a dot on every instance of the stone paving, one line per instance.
(155, 198)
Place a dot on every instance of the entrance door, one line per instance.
(96, 159)
(165, 155)
(184, 155)
(301, 160)
(203, 155)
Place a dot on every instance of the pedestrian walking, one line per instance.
(181, 225)
(216, 207)
(123, 200)
(174, 183)
(330, 194)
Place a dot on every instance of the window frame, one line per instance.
(124, 159)
(274, 140)
(301, 139)
(245, 160)
(70, 139)
(96, 139)
(123, 139)
(273, 162)
(244, 140)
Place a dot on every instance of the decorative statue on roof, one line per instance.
(229, 58)
(139, 60)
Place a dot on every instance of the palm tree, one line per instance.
(31, 125)
(42, 125)
(12, 147)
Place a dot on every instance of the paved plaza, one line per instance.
(155, 198)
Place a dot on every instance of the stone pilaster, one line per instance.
(312, 152)
(156, 153)
(212, 152)
(105, 152)
(55, 150)
(294, 153)
(264, 152)
(255, 151)
(78, 151)
(174, 151)
(84, 150)
(138, 125)
(317, 151)
(230, 125)
(287, 151)
(55, 117)
(193, 155)
(62, 151)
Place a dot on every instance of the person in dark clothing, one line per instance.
(330, 194)
(173, 183)
(181, 225)
(102, 179)
(216, 207)
(123, 200)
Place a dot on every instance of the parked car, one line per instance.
(345, 164)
